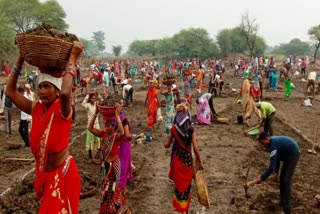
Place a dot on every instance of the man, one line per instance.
(24, 121)
(303, 68)
(209, 97)
(7, 109)
(268, 112)
(28, 93)
(128, 93)
(311, 82)
(286, 150)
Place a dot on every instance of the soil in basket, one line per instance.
(48, 30)
(111, 100)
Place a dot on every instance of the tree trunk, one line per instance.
(315, 52)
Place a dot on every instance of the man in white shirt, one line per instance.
(128, 93)
(311, 82)
(28, 93)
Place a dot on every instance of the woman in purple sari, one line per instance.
(125, 155)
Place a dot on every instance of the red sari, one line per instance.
(152, 104)
(112, 199)
(58, 190)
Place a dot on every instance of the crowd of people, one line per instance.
(52, 115)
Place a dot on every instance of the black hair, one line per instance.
(263, 135)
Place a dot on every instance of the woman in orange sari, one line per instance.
(181, 171)
(151, 103)
(57, 182)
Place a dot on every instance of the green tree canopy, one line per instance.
(7, 45)
(224, 41)
(294, 47)
(25, 15)
(98, 38)
(52, 13)
(194, 42)
(116, 50)
(231, 41)
(90, 49)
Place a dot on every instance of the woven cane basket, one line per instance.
(44, 51)
(168, 81)
(201, 185)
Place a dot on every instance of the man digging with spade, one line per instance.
(285, 149)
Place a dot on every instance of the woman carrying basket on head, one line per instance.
(112, 199)
(57, 182)
(183, 135)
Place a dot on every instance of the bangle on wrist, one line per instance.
(17, 70)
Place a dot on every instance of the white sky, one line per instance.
(124, 21)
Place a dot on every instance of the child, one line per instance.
(287, 91)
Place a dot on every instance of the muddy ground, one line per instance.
(226, 151)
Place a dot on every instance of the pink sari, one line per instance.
(203, 113)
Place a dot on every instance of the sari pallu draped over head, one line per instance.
(181, 166)
(58, 190)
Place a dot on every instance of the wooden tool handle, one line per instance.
(252, 183)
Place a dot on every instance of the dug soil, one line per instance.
(226, 151)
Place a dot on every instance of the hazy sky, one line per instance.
(124, 21)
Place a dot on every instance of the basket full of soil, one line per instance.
(187, 71)
(107, 106)
(168, 80)
(46, 47)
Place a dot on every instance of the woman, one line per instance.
(187, 88)
(57, 182)
(183, 135)
(203, 112)
(92, 141)
(151, 103)
(125, 155)
(112, 200)
(200, 75)
(170, 113)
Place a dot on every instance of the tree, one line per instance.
(7, 45)
(90, 49)
(137, 48)
(260, 46)
(165, 47)
(224, 41)
(50, 12)
(98, 38)
(25, 15)
(314, 34)
(116, 50)
(294, 47)
(194, 42)
(249, 29)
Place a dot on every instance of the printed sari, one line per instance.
(58, 190)
(112, 199)
(152, 104)
(181, 171)
(170, 113)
